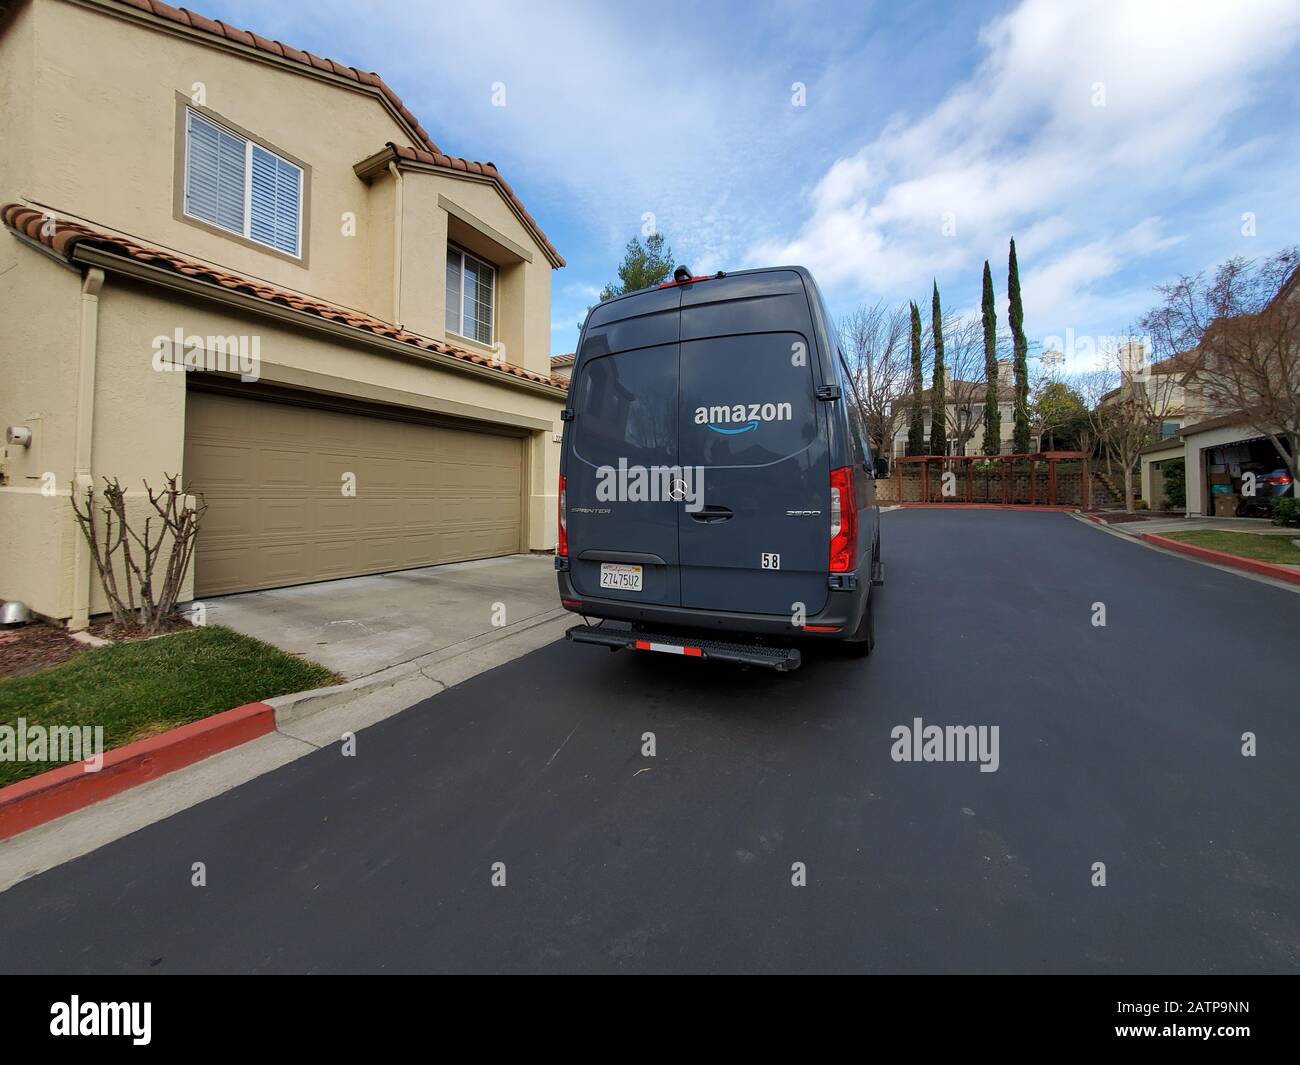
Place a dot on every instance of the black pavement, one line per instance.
(1118, 744)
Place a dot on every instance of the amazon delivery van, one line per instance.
(717, 489)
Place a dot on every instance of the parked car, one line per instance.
(1268, 486)
(717, 488)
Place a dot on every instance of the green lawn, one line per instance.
(138, 689)
(1245, 545)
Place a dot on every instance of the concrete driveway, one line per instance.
(361, 625)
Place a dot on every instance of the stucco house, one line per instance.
(562, 367)
(964, 402)
(252, 266)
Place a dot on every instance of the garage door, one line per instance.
(277, 479)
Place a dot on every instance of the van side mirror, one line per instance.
(882, 467)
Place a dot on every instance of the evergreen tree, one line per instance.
(992, 419)
(643, 266)
(1020, 348)
(916, 431)
(938, 392)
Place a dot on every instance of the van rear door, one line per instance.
(620, 519)
(757, 541)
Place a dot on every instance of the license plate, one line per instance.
(620, 577)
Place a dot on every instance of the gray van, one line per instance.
(717, 489)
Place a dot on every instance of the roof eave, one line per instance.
(89, 255)
(373, 165)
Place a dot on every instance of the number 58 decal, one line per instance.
(771, 561)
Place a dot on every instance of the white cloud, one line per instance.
(1021, 146)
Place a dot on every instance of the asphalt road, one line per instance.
(1118, 744)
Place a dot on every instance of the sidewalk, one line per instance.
(1162, 526)
(1244, 544)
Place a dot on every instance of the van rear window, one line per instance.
(626, 406)
(746, 400)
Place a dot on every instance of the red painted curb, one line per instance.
(59, 791)
(1250, 565)
(987, 506)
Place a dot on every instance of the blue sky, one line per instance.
(1119, 143)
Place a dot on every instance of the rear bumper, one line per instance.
(843, 612)
(782, 659)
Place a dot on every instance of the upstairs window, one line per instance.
(239, 186)
(471, 296)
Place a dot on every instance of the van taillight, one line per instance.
(844, 521)
(562, 545)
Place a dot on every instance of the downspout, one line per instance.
(398, 209)
(82, 480)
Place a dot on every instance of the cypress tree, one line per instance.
(992, 419)
(916, 431)
(1020, 347)
(938, 393)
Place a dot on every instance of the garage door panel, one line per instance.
(336, 558)
(281, 423)
(271, 474)
(380, 553)
(328, 467)
(228, 519)
(285, 563)
(419, 511)
(219, 465)
(278, 516)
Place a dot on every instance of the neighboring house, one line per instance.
(562, 368)
(1217, 447)
(176, 186)
(1214, 451)
(1171, 393)
(964, 401)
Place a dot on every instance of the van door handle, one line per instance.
(711, 515)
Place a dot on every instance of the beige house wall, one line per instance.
(39, 301)
(139, 412)
(17, 58)
(89, 130)
(103, 101)
(96, 103)
(1151, 481)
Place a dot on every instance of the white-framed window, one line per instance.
(471, 295)
(235, 184)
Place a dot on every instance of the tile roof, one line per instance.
(426, 152)
(217, 28)
(487, 170)
(65, 236)
(562, 360)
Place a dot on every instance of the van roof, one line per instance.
(768, 280)
(758, 272)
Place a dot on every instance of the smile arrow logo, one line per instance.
(732, 432)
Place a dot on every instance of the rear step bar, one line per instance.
(782, 659)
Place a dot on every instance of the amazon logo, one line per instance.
(742, 417)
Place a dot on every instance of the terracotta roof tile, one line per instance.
(222, 29)
(487, 170)
(217, 28)
(66, 235)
